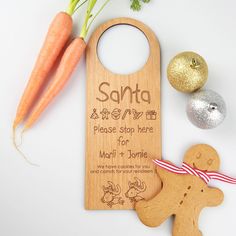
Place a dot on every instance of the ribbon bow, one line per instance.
(206, 176)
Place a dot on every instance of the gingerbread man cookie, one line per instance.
(183, 195)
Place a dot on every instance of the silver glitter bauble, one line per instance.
(206, 109)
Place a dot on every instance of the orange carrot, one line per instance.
(67, 65)
(57, 36)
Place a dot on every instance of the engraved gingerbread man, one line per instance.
(184, 192)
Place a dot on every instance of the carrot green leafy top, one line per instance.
(89, 17)
(136, 4)
(73, 6)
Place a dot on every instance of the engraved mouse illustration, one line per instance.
(111, 194)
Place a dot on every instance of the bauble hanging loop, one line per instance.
(206, 109)
(187, 72)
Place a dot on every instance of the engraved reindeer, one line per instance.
(111, 193)
(135, 188)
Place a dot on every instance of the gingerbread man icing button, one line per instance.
(185, 192)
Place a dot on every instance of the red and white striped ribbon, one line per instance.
(206, 176)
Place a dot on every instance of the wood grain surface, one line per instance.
(123, 127)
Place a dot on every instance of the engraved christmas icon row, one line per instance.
(117, 114)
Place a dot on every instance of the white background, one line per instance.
(49, 200)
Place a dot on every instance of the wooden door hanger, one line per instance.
(123, 127)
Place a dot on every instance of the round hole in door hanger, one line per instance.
(123, 49)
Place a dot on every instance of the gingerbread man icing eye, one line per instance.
(198, 156)
(202, 157)
(210, 161)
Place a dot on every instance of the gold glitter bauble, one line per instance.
(187, 72)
